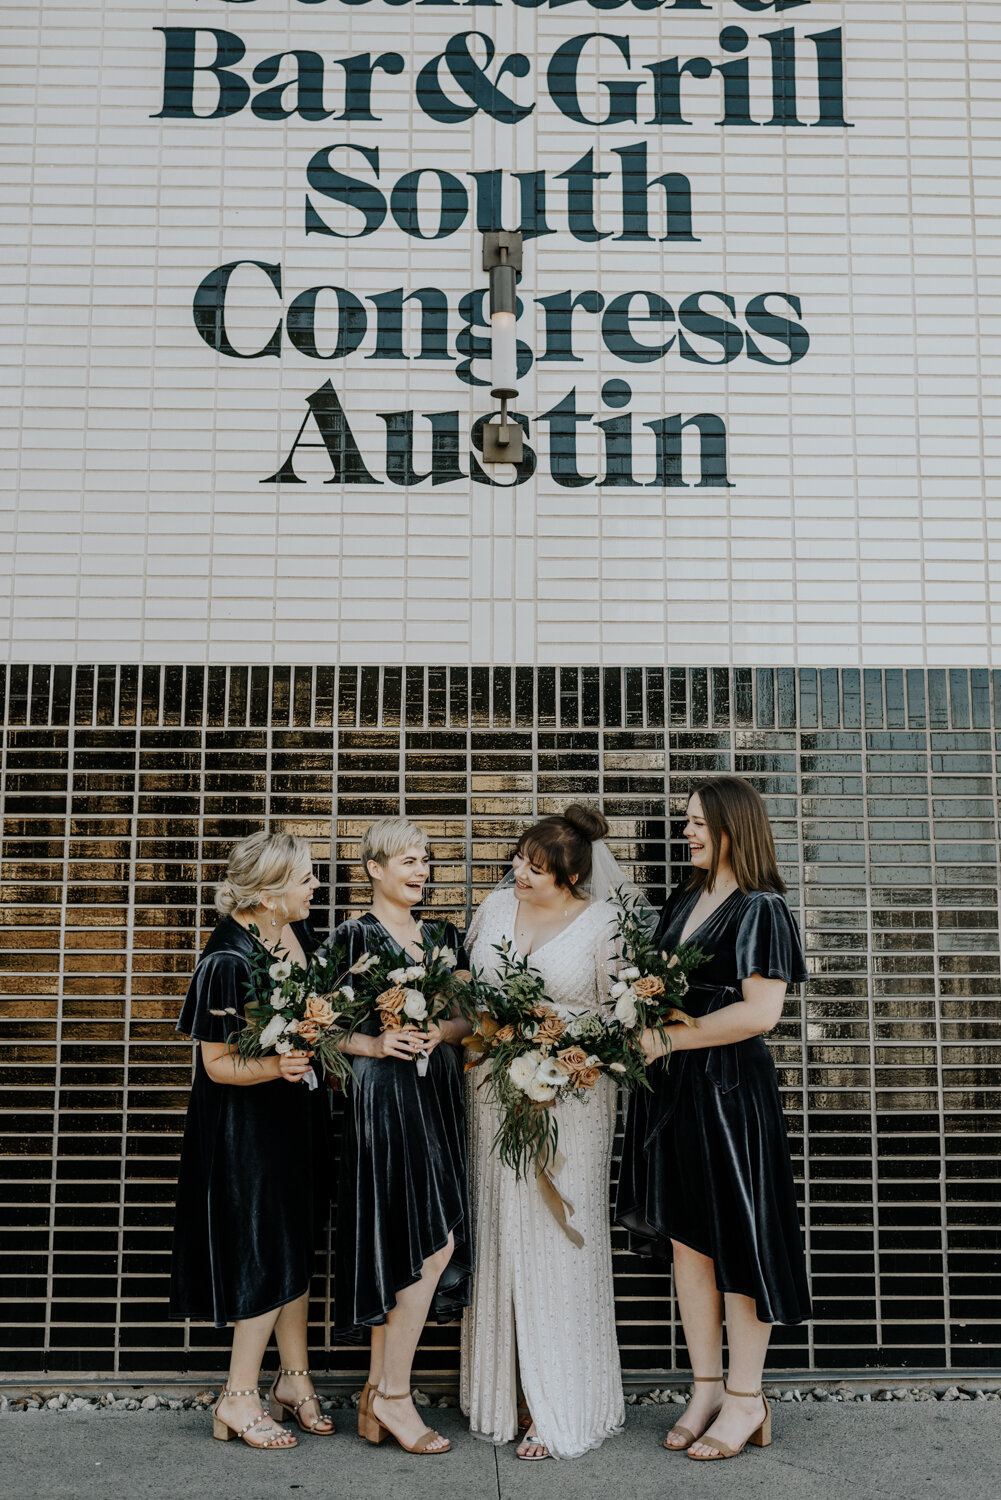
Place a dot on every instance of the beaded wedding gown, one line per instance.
(541, 1306)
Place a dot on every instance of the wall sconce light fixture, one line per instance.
(502, 441)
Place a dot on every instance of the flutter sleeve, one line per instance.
(768, 941)
(348, 943)
(213, 1006)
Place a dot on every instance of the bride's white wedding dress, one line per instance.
(532, 1284)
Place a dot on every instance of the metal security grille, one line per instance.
(124, 787)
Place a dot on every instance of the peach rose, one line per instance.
(309, 1030)
(551, 1028)
(572, 1059)
(649, 986)
(586, 1078)
(320, 1010)
(391, 1001)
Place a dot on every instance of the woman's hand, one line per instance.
(435, 1033)
(293, 1066)
(404, 1043)
(676, 1038)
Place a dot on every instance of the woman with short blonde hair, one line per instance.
(250, 1192)
(403, 1246)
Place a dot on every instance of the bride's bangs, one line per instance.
(534, 849)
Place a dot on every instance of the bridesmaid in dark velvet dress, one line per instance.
(706, 1173)
(402, 1247)
(252, 1174)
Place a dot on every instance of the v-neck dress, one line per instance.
(705, 1159)
(253, 1181)
(542, 1306)
(402, 1187)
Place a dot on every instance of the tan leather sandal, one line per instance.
(691, 1437)
(363, 1400)
(759, 1438)
(376, 1431)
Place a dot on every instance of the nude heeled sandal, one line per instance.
(222, 1430)
(278, 1407)
(690, 1436)
(759, 1438)
(375, 1430)
(363, 1400)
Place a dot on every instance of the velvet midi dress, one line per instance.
(252, 1190)
(402, 1187)
(705, 1158)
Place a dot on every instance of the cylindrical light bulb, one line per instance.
(503, 355)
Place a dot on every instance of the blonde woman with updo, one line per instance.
(403, 1248)
(252, 1170)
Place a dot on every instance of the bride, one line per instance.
(542, 1302)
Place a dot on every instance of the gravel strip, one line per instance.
(669, 1396)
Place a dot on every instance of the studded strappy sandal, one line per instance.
(759, 1438)
(278, 1408)
(223, 1431)
(375, 1430)
(690, 1437)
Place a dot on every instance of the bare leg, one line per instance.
(250, 1339)
(377, 1355)
(701, 1309)
(748, 1344)
(293, 1350)
(403, 1328)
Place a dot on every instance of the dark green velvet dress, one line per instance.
(253, 1186)
(402, 1185)
(705, 1160)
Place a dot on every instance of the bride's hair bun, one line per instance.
(588, 821)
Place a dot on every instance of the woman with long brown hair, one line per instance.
(543, 1305)
(706, 1174)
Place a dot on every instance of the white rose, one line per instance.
(619, 988)
(283, 1047)
(521, 1070)
(629, 973)
(397, 976)
(280, 971)
(416, 971)
(272, 1031)
(550, 1074)
(625, 1009)
(540, 1092)
(415, 1006)
(447, 957)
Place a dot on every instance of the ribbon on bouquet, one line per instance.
(550, 1165)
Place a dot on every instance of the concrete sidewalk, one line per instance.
(886, 1451)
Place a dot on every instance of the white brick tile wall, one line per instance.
(864, 477)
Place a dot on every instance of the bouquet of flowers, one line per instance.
(311, 1008)
(415, 994)
(537, 1057)
(649, 990)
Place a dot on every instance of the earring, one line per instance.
(273, 922)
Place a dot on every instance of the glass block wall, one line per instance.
(124, 787)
